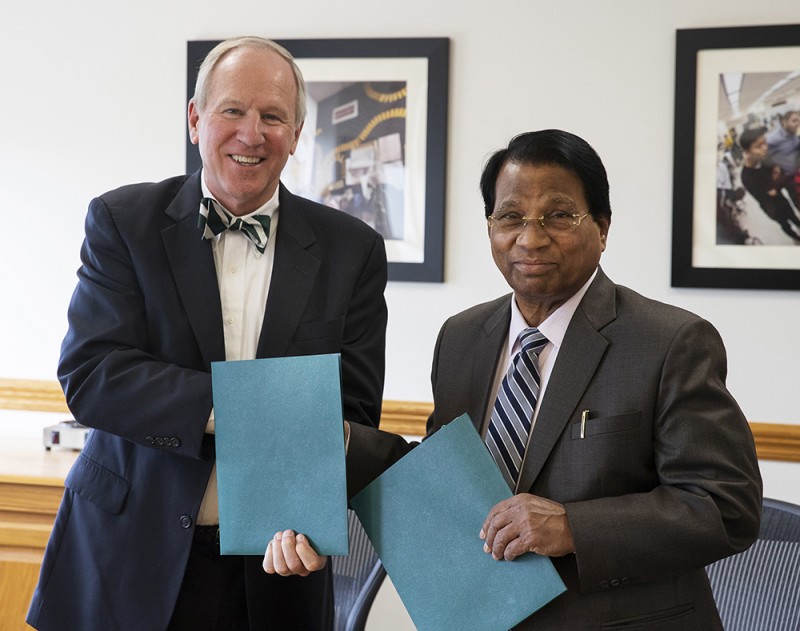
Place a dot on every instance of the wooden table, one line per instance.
(31, 486)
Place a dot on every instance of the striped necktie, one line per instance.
(513, 409)
(214, 219)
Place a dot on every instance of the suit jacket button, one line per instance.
(160, 440)
(616, 582)
(626, 581)
(150, 440)
(605, 584)
(175, 442)
(186, 521)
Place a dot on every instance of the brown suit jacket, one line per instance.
(665, 480)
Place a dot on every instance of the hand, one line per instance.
(289, 555)
(527, 523)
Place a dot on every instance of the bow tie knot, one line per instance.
(214, 219)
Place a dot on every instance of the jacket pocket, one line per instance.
(606, 425)
(662, 619)
(99, 485)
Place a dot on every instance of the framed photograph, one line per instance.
(736, 186)
(374, 141)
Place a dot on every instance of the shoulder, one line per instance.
(638, 326)
(652, 322)
(632, 301)
(775, 135)
(485, 309)
(136, 210)
(752, 178)
(609, 306)
(486, 315)
(145, 194)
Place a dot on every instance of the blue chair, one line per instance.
(759, 589)
(356, 579)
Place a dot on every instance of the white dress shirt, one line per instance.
(243, 275)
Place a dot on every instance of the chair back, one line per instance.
(356, 579)
(759, 589)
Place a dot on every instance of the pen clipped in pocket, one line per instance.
(589, 425)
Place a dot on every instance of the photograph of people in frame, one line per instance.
(758, 157)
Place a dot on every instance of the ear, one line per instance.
(193, 117)
(603, 224)
(296, 138)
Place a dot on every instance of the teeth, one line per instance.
(246, 159)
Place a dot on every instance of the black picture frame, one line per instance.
(430, 179)
(702, 57)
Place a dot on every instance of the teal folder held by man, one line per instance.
(423, 516)
(280, 452)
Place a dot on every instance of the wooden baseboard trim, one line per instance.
(32, 395)
(777, 441)
(774, 441)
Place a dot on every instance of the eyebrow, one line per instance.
(229, 102)
(559, 198)
(553, 199)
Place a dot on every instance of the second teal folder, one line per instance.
(423, 516)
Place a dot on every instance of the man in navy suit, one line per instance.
(161, 294)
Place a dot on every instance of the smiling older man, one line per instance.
(224, 264)
(631, 464)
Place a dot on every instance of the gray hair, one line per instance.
(218, 53)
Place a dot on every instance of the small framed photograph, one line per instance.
(736, 183)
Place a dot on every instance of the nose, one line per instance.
(533, 235)
(251, 129)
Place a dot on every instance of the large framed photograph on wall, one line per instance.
(374, 140)
(736, 185)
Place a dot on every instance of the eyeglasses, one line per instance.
(554, 222)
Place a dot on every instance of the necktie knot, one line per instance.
(214, 219)
(532, 341)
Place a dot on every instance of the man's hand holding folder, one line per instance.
(289, 554)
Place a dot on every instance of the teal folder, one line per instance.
(280, 452)
(423, 516)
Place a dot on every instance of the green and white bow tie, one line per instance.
(214, 219)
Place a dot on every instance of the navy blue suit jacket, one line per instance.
(145, 323)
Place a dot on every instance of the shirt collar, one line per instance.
(268, 208)
(554, 327)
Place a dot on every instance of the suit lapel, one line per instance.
(294, 273)
(192, 263)
(580, 354)
(487, 350)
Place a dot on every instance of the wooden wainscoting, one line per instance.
(774, 441)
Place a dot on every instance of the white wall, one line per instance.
(93, 97)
